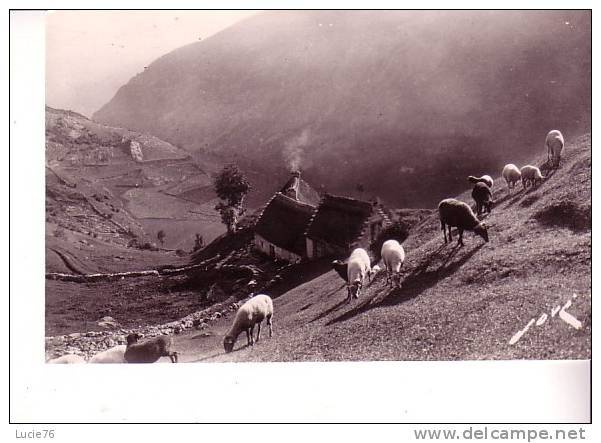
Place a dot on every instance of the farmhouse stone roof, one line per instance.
(339, 220)
(283, 223)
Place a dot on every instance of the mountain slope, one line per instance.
(455, 303)
(389, 99)
(117, 185)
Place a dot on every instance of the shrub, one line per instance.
(149, 246)
(398, 231)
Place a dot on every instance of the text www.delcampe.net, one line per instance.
(486, 433)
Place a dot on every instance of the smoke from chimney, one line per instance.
(293, 151)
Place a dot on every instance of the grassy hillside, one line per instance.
(389, 99)
(454, 303)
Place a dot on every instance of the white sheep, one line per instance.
(359, 266)
(393, 256)
(455, 213)
(484, 179)
(112, 355)
(512, 175)
(251, 313)
(531, 175)
(554, 143)
(150, 350)
(67, 359)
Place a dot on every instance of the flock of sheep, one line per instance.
(148, 351)
(452, 213)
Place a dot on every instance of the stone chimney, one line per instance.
(293, 185)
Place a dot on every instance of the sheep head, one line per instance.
(482, 230)
(228, 343)
(355, 288)
(133, 338)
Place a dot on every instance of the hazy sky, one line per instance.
(89, 55)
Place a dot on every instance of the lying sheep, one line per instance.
(150, 350)
(393, 256)
(484, 179)
(554, 143)
(531, 175)
(512, 175)
(455, 213)
(112, 355)
(482, 195)
(251, 313)
(359, 266)
(67, 359)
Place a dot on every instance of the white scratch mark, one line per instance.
(541, 319)
(555, 310)
(574, 296)
(570, 319)
(519, 334)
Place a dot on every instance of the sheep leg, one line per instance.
(444, 231)
(270, 326)
(358, 290)
(460, 241)
(450, 234)
(248, 337)
(173, 357)
(349, 295)
(398, 283)
(252, 339)
(258, 332)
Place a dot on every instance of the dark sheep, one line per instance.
(341, 268)
(455, 213)
(482, 195)
(150, 350)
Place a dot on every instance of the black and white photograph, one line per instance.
(292, 186)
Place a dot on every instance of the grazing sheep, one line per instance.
(112, 355)
(341, 268)
(484, 179)
(67, 359)
(554, 143)
(251, 313)
(512, 175)
(458, 214)
(150, 350)
(393, 256)
(482, 195)
(359, 266)
(531, 175)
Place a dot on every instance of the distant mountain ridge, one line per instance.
(403, 103)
